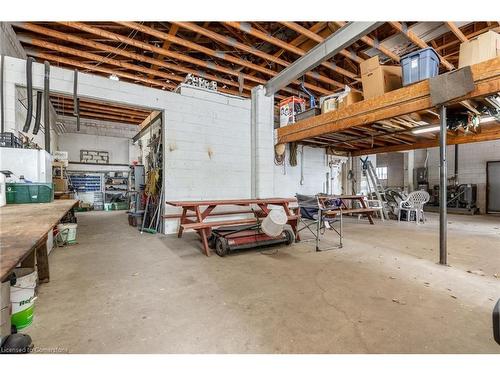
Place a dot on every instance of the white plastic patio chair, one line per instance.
(375, 204)
(414, 203)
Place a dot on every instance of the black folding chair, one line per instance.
(314, 217)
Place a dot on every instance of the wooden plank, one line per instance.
(399, 102)
(148, 119)
(167, 53)
(231, 202)
(282, 44)
(414, 38)
(455, 30)
(123, 52)
(24, 226)
(489, 135)
(250, 49)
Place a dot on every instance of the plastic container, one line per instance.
(29, 193)
(273, 224)
(10, 140)
(420, 65)
(22, 297)
(67, 232)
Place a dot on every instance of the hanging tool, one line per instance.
(312, 99)
(372, 178)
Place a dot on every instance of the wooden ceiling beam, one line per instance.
(206, 51)
(118, 51)
(455, 30)
(175, 55)
(298, 51)
(375, 44)
(485, 135)
(415, 39)
(317, 38)
(298, 41)
(406, 100)
(218, 54)
(89, 67)
(86, 114)
(241, 46)
(69, 106)
(166, 45)
(468, 36)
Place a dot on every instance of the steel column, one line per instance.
(323, 51)
(442, 188)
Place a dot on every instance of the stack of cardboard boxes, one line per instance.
(59, 176)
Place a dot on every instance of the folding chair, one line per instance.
(315, 218)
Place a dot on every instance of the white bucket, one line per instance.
(67, 232)
(22, 297)
(272, 225)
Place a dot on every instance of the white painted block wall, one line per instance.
(472, 160)
(207, 136)
(118, 148)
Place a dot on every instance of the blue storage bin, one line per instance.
(419, 65)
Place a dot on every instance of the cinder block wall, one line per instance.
(472, 160)
(207, 136)
(394, 162)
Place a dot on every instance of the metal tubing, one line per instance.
(29, 94)
(38, 112)
(456, 164)
(442, 188)
(46, 108)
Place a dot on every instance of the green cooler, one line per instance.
(29, 192)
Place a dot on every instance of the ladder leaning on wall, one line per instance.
(374, 184)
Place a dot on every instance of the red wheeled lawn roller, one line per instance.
(238, 237)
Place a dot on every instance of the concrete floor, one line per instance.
(118, 291)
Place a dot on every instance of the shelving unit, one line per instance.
(116, 187)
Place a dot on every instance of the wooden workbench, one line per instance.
(23, 232)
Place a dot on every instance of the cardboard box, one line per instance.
(352, 97)
(289, 108)
(329, 105)
(485, 47)
(378, 79)
(60, 184)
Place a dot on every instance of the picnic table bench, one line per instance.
(193, 216)
(346, 209)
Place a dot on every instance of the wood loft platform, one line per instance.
(385, 123)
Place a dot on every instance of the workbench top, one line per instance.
(22, 226)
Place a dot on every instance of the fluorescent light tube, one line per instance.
(425, 129)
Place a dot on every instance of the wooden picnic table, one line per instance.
(193, 216)
(346, 209)
(23, 234)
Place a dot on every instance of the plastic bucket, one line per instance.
(22, 297)
(67, 232)
(272, 225)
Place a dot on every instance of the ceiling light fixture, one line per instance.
(114, 77)
(487, 119)
(426, 129)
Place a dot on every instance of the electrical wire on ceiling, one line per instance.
(131, 35)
